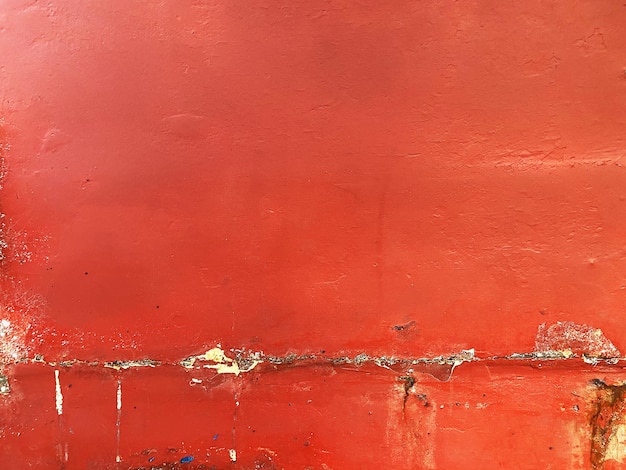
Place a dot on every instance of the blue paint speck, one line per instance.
(151, 459)
(187, 459)
(215, 437)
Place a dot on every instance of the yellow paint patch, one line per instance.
(221, 363)
(215, 355)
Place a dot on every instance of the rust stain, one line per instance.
(608, 426)
(409, 382)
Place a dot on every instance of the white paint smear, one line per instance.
(58, 394)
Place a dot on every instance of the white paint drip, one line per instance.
(233, 455)
(58, 393)
(119, 395)
(118, 457)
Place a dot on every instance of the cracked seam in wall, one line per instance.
(560, 341)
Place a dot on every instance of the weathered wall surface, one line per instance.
(326, 235)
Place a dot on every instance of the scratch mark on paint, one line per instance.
(118, 457)
(58, 393)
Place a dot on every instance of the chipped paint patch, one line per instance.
(569, 339)
(223, 364)
(232, 453)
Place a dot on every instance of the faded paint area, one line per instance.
(298, 234)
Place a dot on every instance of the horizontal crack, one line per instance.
(440, 367)
(247, 360)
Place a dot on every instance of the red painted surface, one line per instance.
(402, 180)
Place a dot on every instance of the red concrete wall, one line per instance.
(396, 227)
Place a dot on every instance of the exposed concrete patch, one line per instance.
(570, 339)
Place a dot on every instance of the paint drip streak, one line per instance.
(58, 394)
(118, 422)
